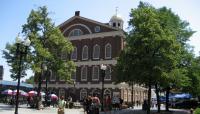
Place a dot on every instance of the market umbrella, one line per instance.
(183, 96)
(32, 93)
(20, 91)
(24, 94)
(53, 96)
(7, 92)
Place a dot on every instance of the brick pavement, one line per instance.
(7, 109)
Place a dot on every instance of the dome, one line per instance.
(116, 17)
(116, 21)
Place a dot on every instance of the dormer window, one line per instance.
(75, 32)
(97, 29)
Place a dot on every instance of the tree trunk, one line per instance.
(149, 99)
(39, 88)
(158, 97)
(132, 94)
(167, 99)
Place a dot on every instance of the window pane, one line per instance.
(108, 51)
(73, 76)
(85, 52)
(74, 54)
(76, 32)
(96, 51)
(95, 75)
(84, 73)
(108, 73)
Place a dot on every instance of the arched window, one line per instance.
(75, 32)
(83, 94)
(108, 73)
(74, 54)
(84, 73)
(73, 76)
(95, 73)
(85, 53)
(108, 51)
(107, 92)
(96, 51)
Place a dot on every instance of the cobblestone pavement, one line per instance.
(7, 109)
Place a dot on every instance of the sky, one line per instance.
(13, 14)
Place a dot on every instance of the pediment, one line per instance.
(85, 24)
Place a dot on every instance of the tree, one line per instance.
(194, 78)
(181, 31)
(30, 80)
(10, 55)
(150, 51)
(48, 47)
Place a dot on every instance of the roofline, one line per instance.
(86, 19)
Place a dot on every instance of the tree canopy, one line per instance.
(48, 46)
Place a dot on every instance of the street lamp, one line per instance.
(21, 51)
(44, 67)
(103, 69)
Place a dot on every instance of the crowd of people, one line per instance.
(92, 105)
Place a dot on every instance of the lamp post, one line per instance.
(21, 51)
(103, 69)
(46, 82)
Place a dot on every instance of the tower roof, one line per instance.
(116, 17)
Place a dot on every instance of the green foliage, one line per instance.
(48, 45)
(13, 61)
(194, 78)
(197, 111)
(30, 80)
(150, 51)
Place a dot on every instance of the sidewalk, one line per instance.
(138, 110)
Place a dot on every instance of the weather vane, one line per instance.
(116, 10)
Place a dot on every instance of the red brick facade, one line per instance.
(107, 35)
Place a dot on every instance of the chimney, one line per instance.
(77, 13)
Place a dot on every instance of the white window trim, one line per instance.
(82, 73)
(108, 44)
(94, 51)
(110, 74)
(73, 31)
(93, 73)
(107, 90)
(85, 46)
(95, 28)
(75, 48)
(74, 77)
(83, 91)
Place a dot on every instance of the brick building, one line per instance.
(95, 43)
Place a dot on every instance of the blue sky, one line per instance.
(13, 14)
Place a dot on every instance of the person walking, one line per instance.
(88, 105)
(61, 105)
(108, 104)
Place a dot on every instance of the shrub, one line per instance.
(197, 111)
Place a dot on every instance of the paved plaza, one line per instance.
(8, 109)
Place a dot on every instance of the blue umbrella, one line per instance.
(183, 96)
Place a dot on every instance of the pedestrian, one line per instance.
(89, 105)
(61, 105)
(108, 104)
